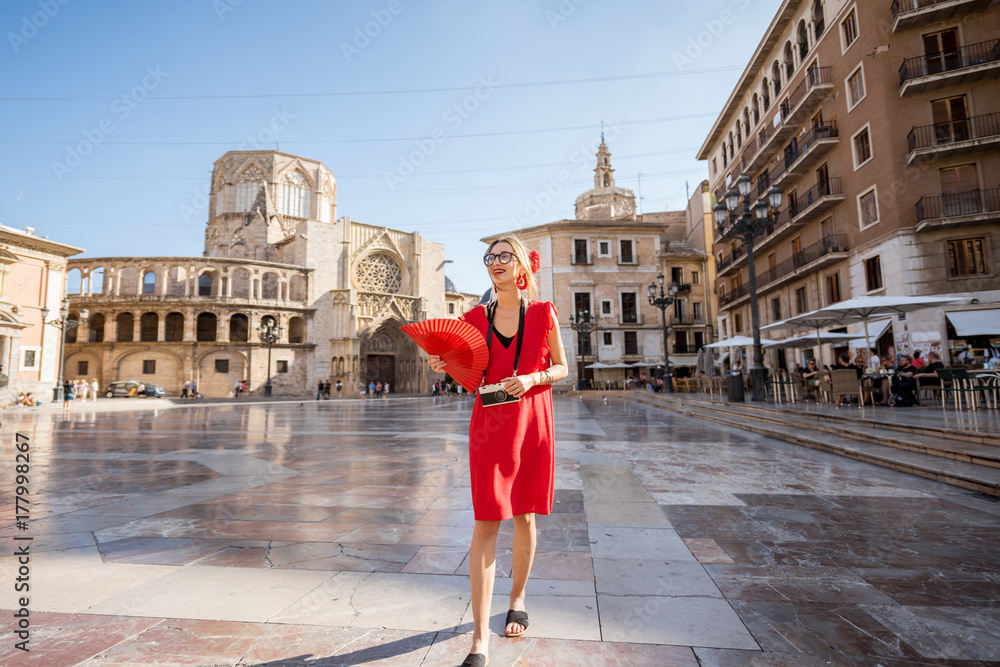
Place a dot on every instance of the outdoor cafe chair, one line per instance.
(929, 385)
(845, 382)
(963, 384)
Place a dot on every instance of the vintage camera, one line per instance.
(495, 394)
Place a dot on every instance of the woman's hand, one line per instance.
(519, 385)
(434, 361)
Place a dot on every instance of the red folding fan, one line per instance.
(459, 344)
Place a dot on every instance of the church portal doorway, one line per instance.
(382, 368)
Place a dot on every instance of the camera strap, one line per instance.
(520, 332)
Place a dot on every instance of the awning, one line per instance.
(875, 331)
(976, 322)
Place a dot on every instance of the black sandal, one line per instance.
(476, 660)
(519, 617)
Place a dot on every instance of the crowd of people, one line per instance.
(324, 388)
(883, 380)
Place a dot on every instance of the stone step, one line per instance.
(964, 474)
(927, 441)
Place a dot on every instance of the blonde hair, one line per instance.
(523, 263)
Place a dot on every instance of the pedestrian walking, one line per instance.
(511, 443)
(385, 388)
(95, 388)
(437, 388)
(319, 390)
(371, 389)
(378, 390)
(194, 389)
(68, 389)
(326, 390)
(236, 388)
(185, 390)
(340, 388)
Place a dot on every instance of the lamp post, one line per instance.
(664, 301)
(63, 323)
(582, 325)
(748, 225)
(269, 333)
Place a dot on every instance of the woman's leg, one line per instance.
(525, 539)
(482, 568)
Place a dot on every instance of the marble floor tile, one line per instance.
(554, 617)
(614, 541)
(707, 551)
(436, 560)
(954, 633)
(679, 621)
(70, 639)
(622, 576)
(780, 583)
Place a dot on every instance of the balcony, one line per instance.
(581, 259)
(975, 207)
(632, 319)
(969, 64)
(908, 14)
(690, 348)
(829, 250)
(808, 151)
(687, 320)
(801, 103)
(734, 295)
(816, 201)
(959, 137)
(729, 261)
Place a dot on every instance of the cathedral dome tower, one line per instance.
(605, 201)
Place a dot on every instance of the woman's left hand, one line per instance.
(519, 385)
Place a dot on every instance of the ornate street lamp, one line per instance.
(664, 301)
(63, 323)
(582, 325)
(269, 333)
(751, 223)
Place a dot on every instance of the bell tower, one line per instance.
(606, 201)
(604, 175)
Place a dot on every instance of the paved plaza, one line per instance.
(336, 533)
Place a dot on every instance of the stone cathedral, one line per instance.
(275, 251)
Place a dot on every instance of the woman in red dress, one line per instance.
(511, 445)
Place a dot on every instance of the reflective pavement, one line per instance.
(336, 532)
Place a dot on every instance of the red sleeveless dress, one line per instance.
(512, 446)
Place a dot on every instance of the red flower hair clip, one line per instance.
(536, 261)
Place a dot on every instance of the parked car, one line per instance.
(130, 388)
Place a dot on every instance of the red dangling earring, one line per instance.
(522, 282)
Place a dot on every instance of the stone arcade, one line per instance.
(274, 248)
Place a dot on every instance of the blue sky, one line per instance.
(94, 155)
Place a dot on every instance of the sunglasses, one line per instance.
(503, 258)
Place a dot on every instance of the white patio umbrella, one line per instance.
(809, 340)
(598, 365)
(811, 321)
(738, 341)
(865, 307)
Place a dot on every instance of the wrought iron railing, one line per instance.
(814, 76)
(977, 127)
(903, 6)
(826, 246)
(951, 60)
(831, 186)
(973, 202)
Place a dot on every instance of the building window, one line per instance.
(849, 30)
(862, 144)
(715, 166)
(282, 366)
(694, 278)
(873, 273)
(451, 309)
(680, 306)
(294, 195)
(856, 87)
(833, 289)
(149, 325)
(951, 119)
(868, 208)
(149, 283)
(29, 358)
(608, 340)
(174, 327)
(248, 185)
(677, 275)
(776, 308)
(82, 368)
(801, 302)
(631, 343)
(583, 343)
(630, 313)
(942, 51)
(149, 366)
(222, 365)
(581, 255)
(681, 342)
(696, 311)
(605, 306)
(207, 328)
(699, 340)
(125, 324)
(604, 248)
(625, 255)
(967, 257)
(204, 285)
(737, 323)
(581, 303)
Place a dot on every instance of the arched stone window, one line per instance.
(789, 58)
(803, 36)
(74, 282)
(205, 284)
(607, 181)
(746, 120)
(239, 328)
(776, 75)
(149, 283)
(755, 107)
(241, 283)
(269, 286)
(296, 330)
(97, 280)
(174, 328)
(71, 332)
(297, 288)
(248, 185)
(379, 272)
(125, 323)
(208, 327)
(295, 195)
(765, 91)
(149, 325)
(819, 21)
(96, 325)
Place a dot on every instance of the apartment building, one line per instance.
(880, 123)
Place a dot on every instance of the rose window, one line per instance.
(379, 273)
